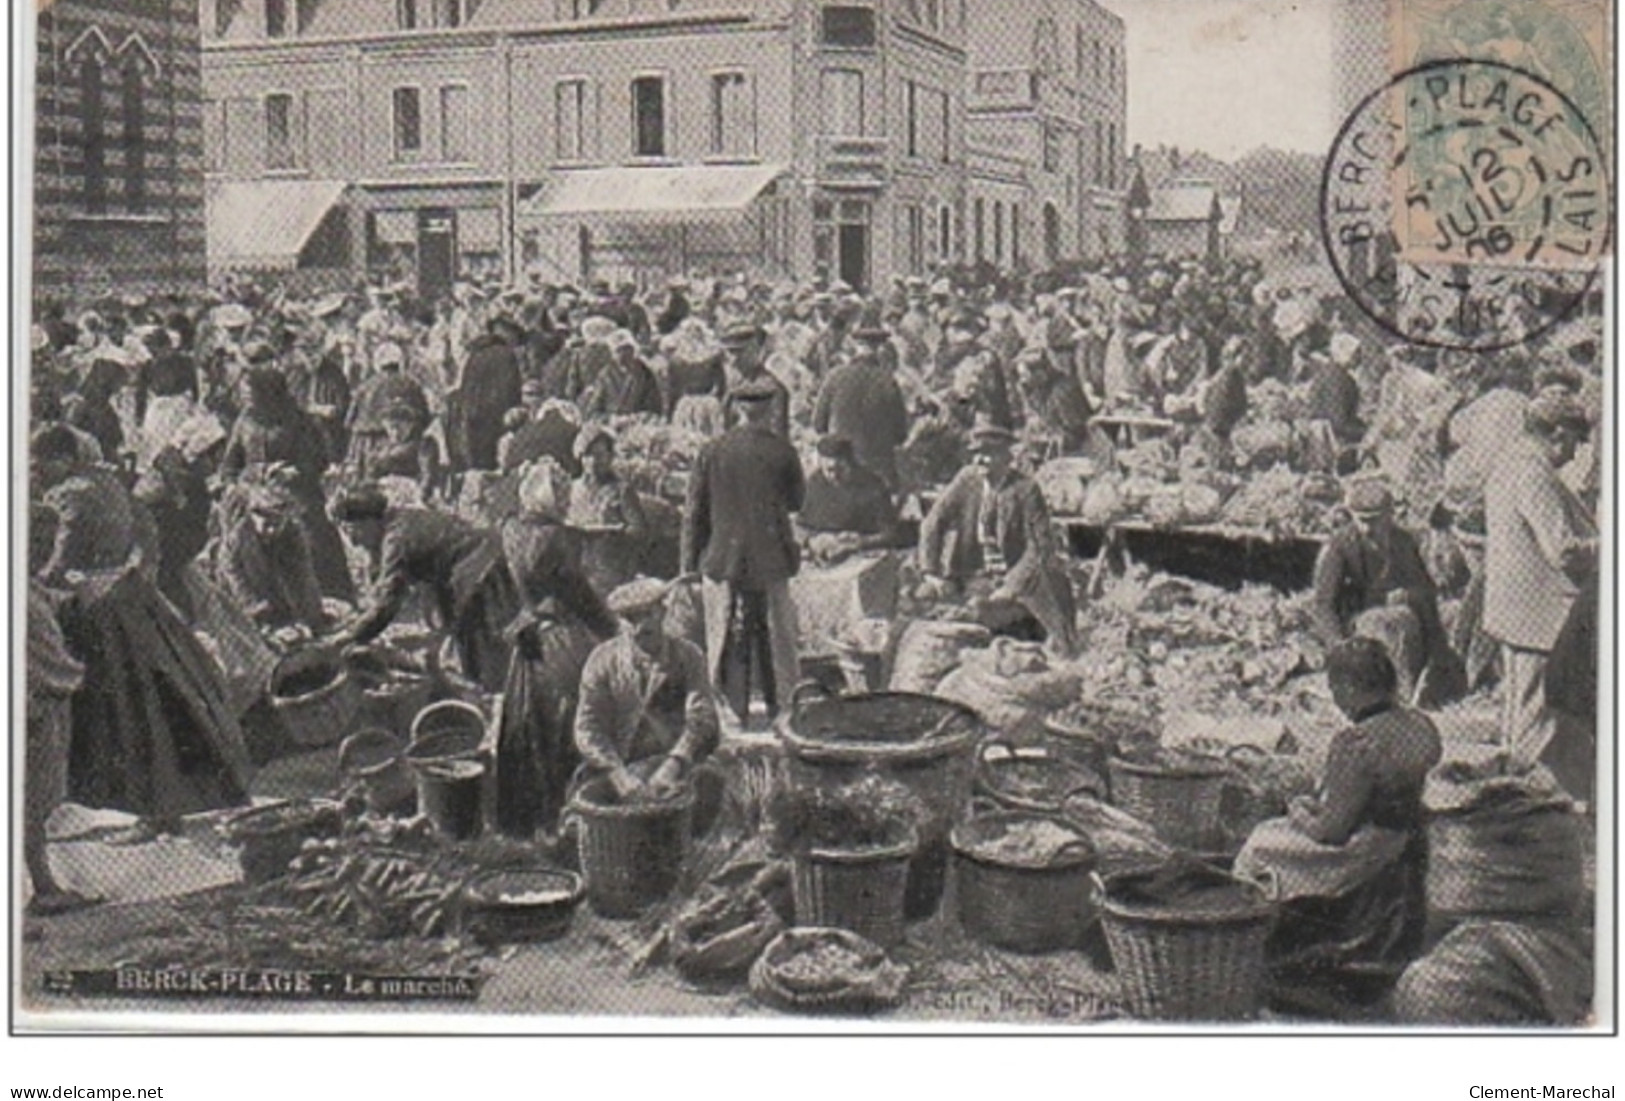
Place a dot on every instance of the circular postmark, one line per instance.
(1464, 205)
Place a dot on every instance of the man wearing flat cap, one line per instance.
(743, 346)
(972, 374)
(1371, 581)
(1540, 562)
(738, 536)
(989, 537)
(647, 718)
(862, 402)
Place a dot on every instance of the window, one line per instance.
(733, 125)
(451, 13)
(1111, 156)
(1111, 67)
(1015, 234)
(581, 9)
(649, 116)
(1077, 54)
(978, 223)
(408, 122)
(911, 116)
(454, 123)
(276, 18)
(916, 239)
(998, 232)
(570, 120)
(843, 102)
(1052, 149)
(848, 27)
(406, 14)
(91, 86)
(135, 140)
(1099, 176)
(279, 132)
(1096, 45)
(945, 232)
(946, 153)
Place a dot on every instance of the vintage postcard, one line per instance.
(782, 515)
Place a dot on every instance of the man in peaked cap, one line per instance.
(1371, 580)
(739, 538)
(744, 360)
(989, 537)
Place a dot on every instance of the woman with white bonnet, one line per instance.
(561, 619)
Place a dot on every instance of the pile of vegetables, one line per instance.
(871, 813)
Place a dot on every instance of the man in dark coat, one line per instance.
(491, 381)
(1371, 580)
(739, 537)
(861, 402)
(848, 508)
(1334, 397)
(677, 308)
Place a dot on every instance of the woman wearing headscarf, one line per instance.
(273, 429)
(152, 732)
(457, 566)
(561, 619)
(263, 557)
(606, 510)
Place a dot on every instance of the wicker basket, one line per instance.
(320, 716)
(859, 891)
(450, 730)
(1092, 734)
(921, 741)
(879, 989)
(1023, 908)
(632, 854)
(1181, 803)
(1176, 965)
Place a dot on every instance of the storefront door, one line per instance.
(854, 242)
(437, 253)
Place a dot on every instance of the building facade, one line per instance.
(614, 139)
(1047, 118)
(118, 148)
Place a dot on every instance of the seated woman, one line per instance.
(848, 508)
(646, 718)
(1350, 862)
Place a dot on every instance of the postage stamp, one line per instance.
(1460, 188)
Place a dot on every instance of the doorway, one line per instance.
(437, 253)
(854, 255)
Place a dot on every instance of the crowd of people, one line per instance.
(220, 480)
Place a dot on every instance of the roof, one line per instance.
(699, 190)
(1183, 201)
(265, 223)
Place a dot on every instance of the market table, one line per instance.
(1228, 555)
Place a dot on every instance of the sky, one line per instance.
(1226, 76)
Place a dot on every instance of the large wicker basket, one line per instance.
(315, 697)
(1181, 802)
(1180, 965)
(632, 854)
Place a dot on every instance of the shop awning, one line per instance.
(704, 190)
(264, 224)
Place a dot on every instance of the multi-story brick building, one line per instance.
(118, 150)
(610, 138)
(1047, 117)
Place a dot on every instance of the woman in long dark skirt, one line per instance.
(152, 732)
(561, 620)
(273, 429)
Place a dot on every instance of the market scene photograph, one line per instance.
(1084, 513)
